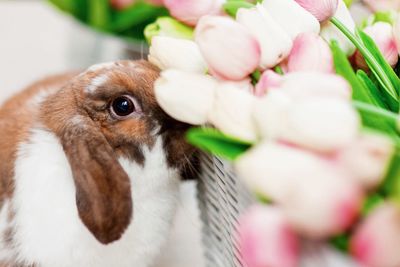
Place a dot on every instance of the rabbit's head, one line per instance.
(105, 113)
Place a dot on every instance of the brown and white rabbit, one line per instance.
(89, 170)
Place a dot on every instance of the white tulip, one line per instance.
(270, 114)
(292, 17)
(187, 97)
(276, 170)
(274, 41)
(321, 124)
(367, 158)
(317, 123)
(173, 53)
(308, 84)
(329, 31)
(232, 112)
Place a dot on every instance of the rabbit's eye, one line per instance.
(123, 106)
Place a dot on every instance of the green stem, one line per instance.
(374, 65)
(361, 106)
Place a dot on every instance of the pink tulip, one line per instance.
(190, 11)
(321, 9)
(310, 53)
(382, 34)
(367, 159)
(383, 5)
(231, 52)
(268, 80)
(325, 205)
(317, 198)
(266, 239)
(376, 242)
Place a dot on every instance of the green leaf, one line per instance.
(374, 50)
(391, 185)
(343, 68)
(77, 8)
(231, 7)
(371, 202)
(134, 15)
(217, 143)
(341, 242)
(372, 90)
(378, 119)
(167, 26)
(99, 13)
(374, 60)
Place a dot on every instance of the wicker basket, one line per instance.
(222, 199)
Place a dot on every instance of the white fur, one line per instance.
(105, 65)
(6, 253)
(96, 82)
(48, 230)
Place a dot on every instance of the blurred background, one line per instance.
(36, 40)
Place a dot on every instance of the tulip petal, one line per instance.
(266, 239)
(292, 17)
(167, 52)
(230, 50)
(232, 112)
(376, 242)
(367, 158)
(321, 9)
(187, 97)
(275, 43)
(310, 53)
(330, 33)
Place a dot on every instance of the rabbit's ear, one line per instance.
(103, 191)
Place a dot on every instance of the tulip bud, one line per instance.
(310, 53)
(317, 199)
(274, 169)
(225, 116)
(321, 9)
(376, 242)
(187, 97)
(268, 80)
(266, 239)
(269, 114)
(367, 159)
(325, 205)
(167, 52)
(166, 26)
(383, 5)
(190, 11)
(330, 32)
(300, 85)
(275, 43)
(320, 124)
(382, 34)
(230, 50)
(292, 17)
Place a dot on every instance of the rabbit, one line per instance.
(89, 170)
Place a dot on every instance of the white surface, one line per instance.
(35, 41)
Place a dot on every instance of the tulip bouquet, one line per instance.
(306, 106)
